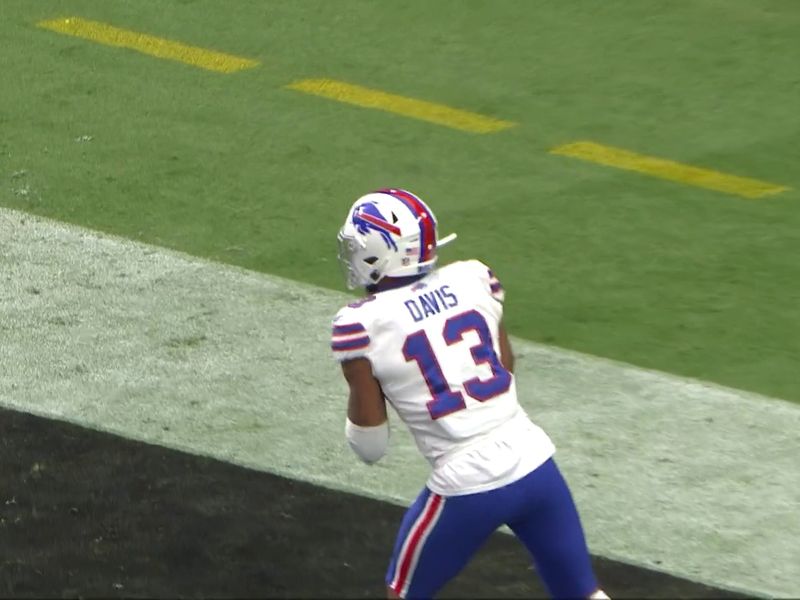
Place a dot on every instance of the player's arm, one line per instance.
(367, 427)
(506, 354)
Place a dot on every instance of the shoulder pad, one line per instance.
(487, 277)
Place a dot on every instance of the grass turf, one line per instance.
(608, 262)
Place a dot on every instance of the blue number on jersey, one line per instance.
(445, 401)
(454, 329)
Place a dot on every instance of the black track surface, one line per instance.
(89, 514)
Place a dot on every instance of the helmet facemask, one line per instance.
(359, 267)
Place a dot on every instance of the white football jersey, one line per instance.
(434, 349)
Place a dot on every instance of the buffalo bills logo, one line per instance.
(367, 217)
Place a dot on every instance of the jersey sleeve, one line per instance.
(349, 336)
(496, 290)
(489, 280)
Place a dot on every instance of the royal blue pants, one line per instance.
(439, 535)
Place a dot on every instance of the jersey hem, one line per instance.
(492, 485)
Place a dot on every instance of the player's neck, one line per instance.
(390, 283)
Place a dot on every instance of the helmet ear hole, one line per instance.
(371, 260)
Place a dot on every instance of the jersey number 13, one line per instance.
(445, 400)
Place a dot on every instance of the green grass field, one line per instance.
(238, 168)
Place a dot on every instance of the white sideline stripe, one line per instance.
(681, 475)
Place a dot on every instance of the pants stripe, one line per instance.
(419, 532)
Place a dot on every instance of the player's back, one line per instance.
(434, 348)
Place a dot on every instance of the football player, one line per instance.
(431, 342)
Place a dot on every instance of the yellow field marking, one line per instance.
(148, 44)
(667, 169)
(408, 107)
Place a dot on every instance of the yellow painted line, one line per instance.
(667, 169)
(109, 35)
(400, 105)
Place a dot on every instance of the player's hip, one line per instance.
(494, 462)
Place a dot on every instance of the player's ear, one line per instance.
(506, 354)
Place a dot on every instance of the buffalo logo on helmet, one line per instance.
(367, 217)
